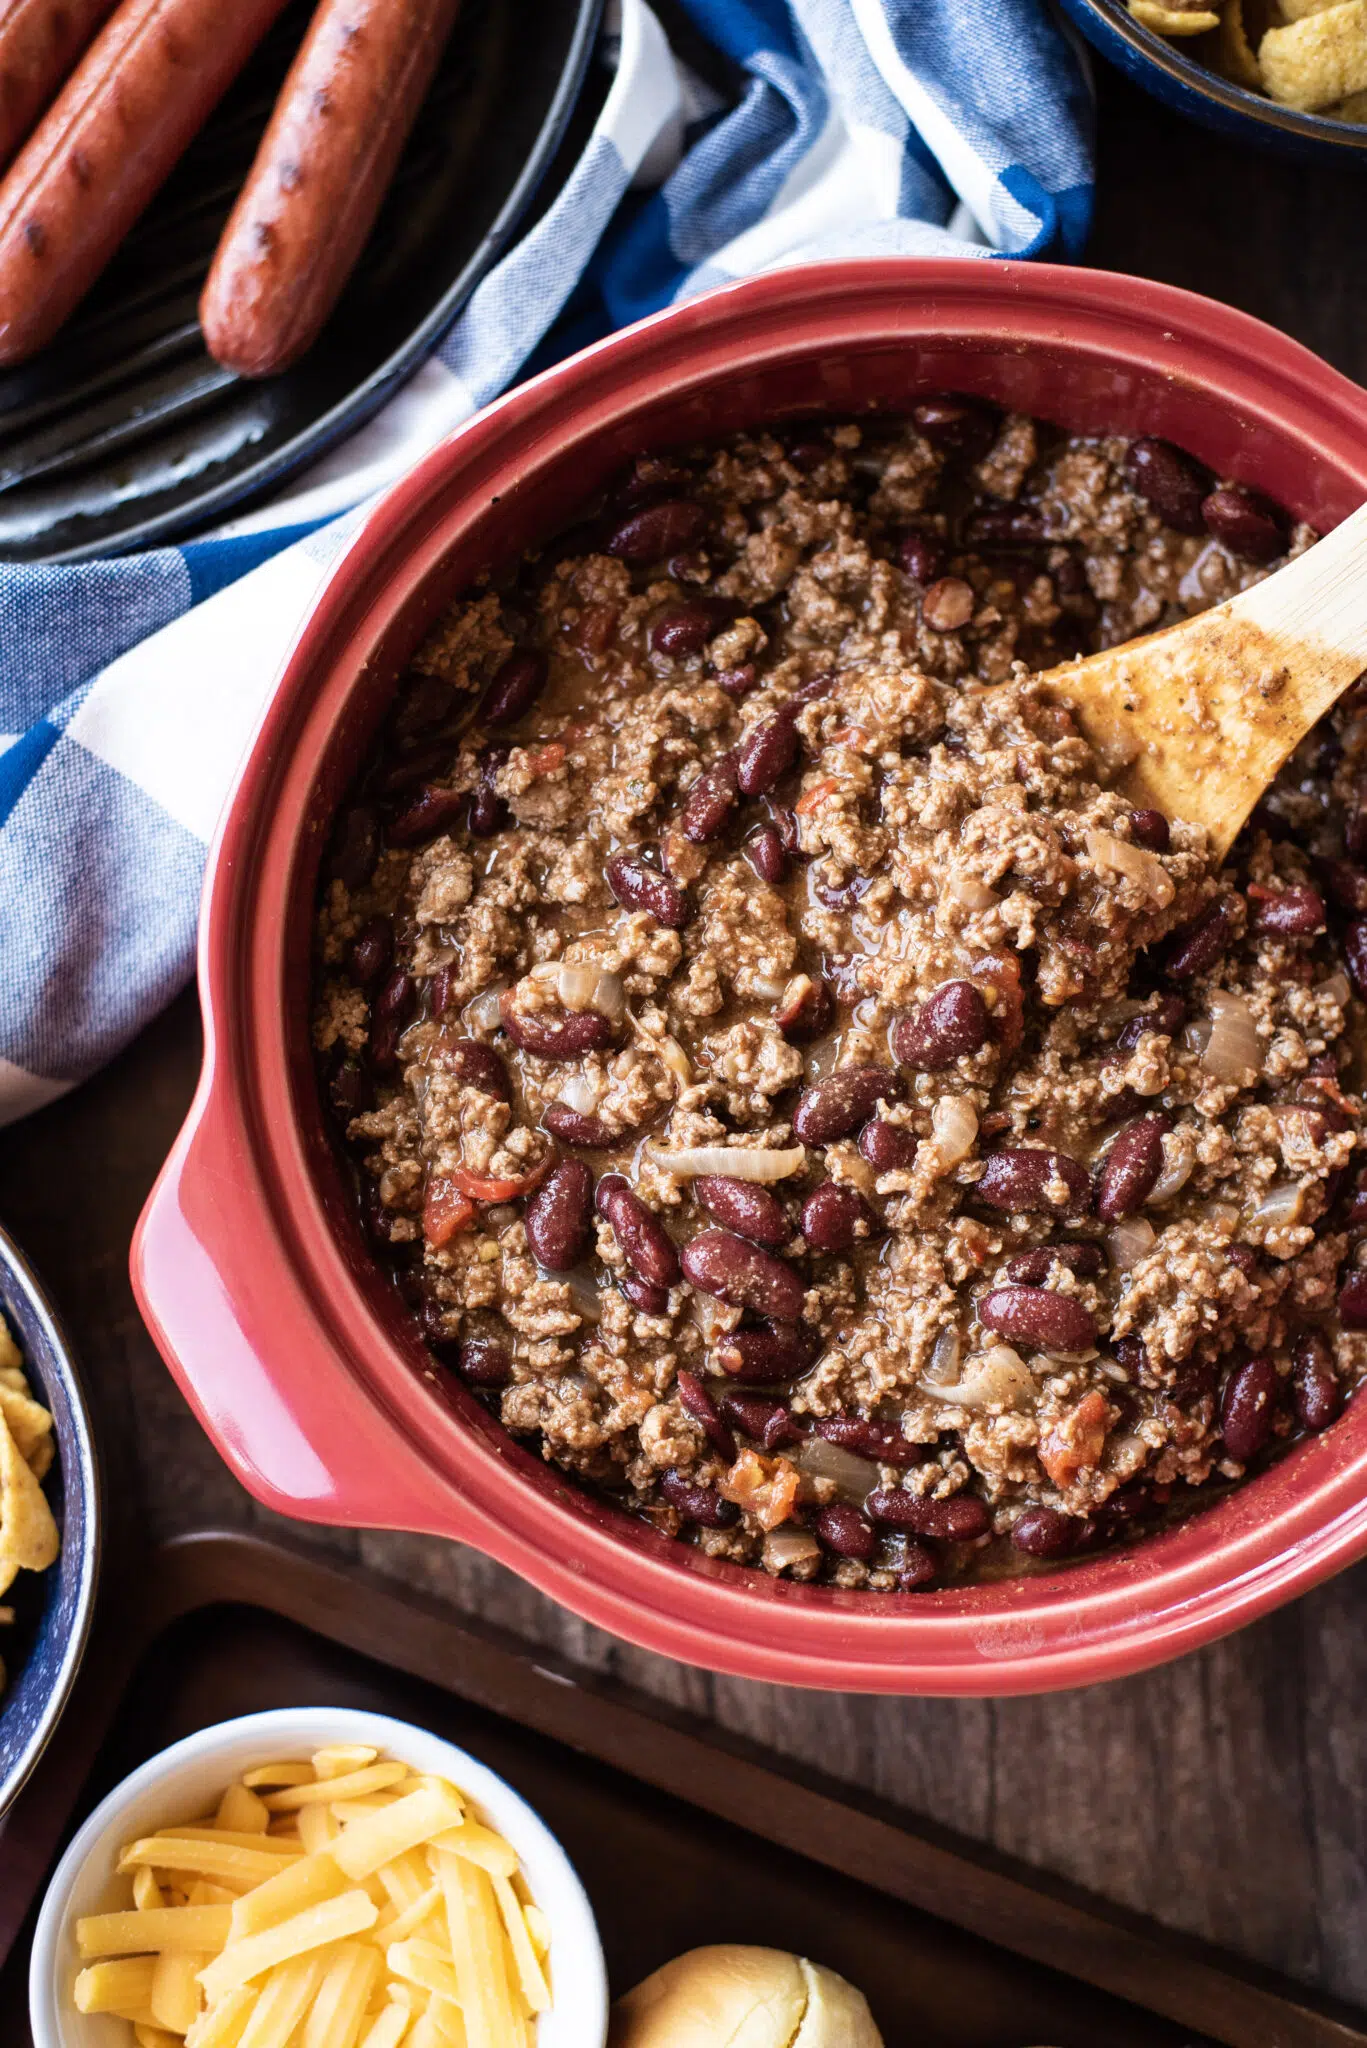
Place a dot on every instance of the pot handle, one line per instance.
(229, 1320)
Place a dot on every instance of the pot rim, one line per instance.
(243, 1159)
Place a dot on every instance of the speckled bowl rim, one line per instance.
(80, 1479)
(1229, 97)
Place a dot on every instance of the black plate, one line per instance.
(124, 431)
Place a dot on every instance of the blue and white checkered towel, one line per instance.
(128, 688)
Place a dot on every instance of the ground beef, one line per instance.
(785, 856)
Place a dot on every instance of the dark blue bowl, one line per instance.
(1193, 89)
(43, 1650)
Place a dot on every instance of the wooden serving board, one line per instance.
(681, 1837)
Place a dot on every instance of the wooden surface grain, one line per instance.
(1225, 1794)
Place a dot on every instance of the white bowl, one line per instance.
(187, 1779)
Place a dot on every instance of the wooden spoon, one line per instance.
(1197, 719)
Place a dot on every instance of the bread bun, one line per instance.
(731, 1996)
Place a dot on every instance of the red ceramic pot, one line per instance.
(248, 1263)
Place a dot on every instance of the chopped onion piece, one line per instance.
(581, 985)
(1130, 1241)
(1338, 988)
(954, 1124)
(970, 890)
(999, 1378)
(942, 1367)
(482, 1012)
(1179, 1158)
(740, 1162)
(584, 1296)
(675, 1058)
(854, 1478)
(1232, 1051)
(580, 1091)
(770, 987)
(784, 1548)
(1133, 863)
(1279, 1206)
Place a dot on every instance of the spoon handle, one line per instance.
(1195, 721)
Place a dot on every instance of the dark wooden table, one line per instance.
(1226, 1794)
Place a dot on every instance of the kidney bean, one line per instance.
(1131, 1168)
(1200, 944)
(1346, 883)
(808, 1015)
(1315, 1389)
(807, 454)
(1005, 526)
(1289, 912)
(888, 1147)
(432, 811)
(741, 1206)
(484, 1362)
(474, 1063)
(646, 1244)
(1150, 829)
(372, 949)
(812, 691)
(1248, 1406)
(395, 1002)
(1355, 954)
(710, 801)
(948, 604)
(552, 1035)
(488, 812)
(1353, 1301)
(956, 1520)
(643, 1294)
(1167, 1019)
(766, 854)
(701, 1504)
(349, 1089)
(922, 557)
(1245, 522)
(950, 1025)
(1017, 1180)
(737, 682)
(695, 1400)
(1039, 1316)
(419, 765)
(558, 1218)
(667, 528)
(954, 424)
(651, 478)
(767, 1421)
(760, 1357)
(832, 1108)
(687, 628)
(575, 1127)
(517, 684)
(916, 1564)
(1171, 482)
(1245, 1258)
(881, 1442)
(640, 887)
(356, 846)
(767, 752)
(1031, 1269)
(718, 1262)
(832, 1216)
(1045, 1532)
(845, 1531)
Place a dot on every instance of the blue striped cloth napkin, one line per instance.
(129, 687)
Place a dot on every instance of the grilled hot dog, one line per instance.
(323, 167)
(40, 40)
(142, 92)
